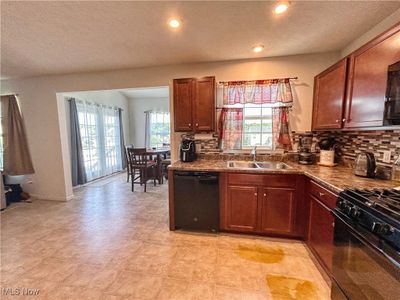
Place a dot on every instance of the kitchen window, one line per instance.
(256, 113)
(257, 126)
(159, 129)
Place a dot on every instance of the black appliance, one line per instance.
(366, 256)
(196, 201)
(365, 165)
(392, 103)
(188, 151)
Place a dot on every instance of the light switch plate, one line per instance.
(386, 156)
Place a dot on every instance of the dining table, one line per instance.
(159, 154)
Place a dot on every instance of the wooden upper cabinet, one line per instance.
(329, 94)
(194, 104)
(367, 79)
(241, 208)
(204, 104)
(183, 91)
(277, 210)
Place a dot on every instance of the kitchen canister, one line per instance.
(327, 158)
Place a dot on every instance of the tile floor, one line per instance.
(109, 243)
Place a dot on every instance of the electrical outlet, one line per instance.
(386, 156)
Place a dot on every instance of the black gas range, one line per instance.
(366, 258)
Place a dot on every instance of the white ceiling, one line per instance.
(58, 37)
(140, 93)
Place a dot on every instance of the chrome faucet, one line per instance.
(254, 153)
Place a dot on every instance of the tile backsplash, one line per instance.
(350, 143)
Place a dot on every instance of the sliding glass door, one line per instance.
(99, 128)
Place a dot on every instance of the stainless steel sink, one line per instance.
(270, 165)
(273, 165)
(242, 164)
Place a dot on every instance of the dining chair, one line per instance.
(128, 165)
(165, 162)
(142, 162)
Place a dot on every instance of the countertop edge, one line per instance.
(322, 179)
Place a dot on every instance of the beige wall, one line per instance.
(45, 116)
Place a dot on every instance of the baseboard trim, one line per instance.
(52, 198)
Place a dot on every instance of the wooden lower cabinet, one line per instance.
(277, 210)
(264, 204)
(279, 205)
(320, 230)
(241, 208)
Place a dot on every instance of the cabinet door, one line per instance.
(320, 234)
(183, 93)
(204, 104)
(367, 79)
(277, 210)
(329, 94)
(241, 208)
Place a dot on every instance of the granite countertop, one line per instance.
(334, 178)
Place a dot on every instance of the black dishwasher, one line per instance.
(196, 201)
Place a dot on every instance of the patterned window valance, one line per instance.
(273, 91)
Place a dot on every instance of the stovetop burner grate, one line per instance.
(387, 201)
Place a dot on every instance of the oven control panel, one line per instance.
(371, 222)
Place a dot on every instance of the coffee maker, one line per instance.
(305, 155)
(187, 150)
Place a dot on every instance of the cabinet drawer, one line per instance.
(270, 180)
(322, 194)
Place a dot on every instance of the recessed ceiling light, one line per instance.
(258, 48)
(174, 23)
(281, 7)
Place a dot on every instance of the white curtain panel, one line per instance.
(147, 128)
(100, 132)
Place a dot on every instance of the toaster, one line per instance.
(365, 165)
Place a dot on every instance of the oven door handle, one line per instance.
(364, 240)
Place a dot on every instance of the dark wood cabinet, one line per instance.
(194, 104)
(204, 104)
(321, 223)
(351, 93)
(183, 94)
(277, 210)
(329, 95)
(367, 79)
(241, 208)
(320, 235)
(260, 203)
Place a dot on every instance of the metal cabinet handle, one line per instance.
(337, 121)
(265, 195)
(321, 194)
(255, 194)
(190, 124)
(344, 120)
(197, 124)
